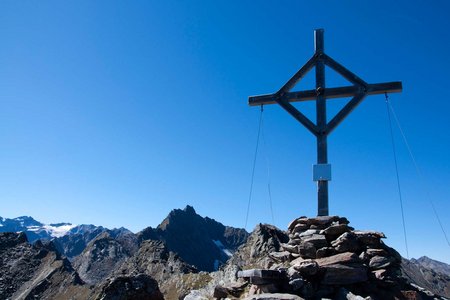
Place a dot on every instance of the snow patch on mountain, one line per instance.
(35, 230)
(219, 245)
(53, 231)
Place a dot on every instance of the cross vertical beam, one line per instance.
(321, 121)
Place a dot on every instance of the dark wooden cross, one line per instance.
(321, 129)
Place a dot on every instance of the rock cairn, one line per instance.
(326, 258)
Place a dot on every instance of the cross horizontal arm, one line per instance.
(329, 93)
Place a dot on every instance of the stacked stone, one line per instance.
(325, 258)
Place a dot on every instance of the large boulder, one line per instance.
(139, 287)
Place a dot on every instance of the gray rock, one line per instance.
(275, 296)
(335, 230)
(346, 242)
(364, 257)
(292, 273)
(323, 220)
(290, 248)
(380, 274)
(325, 252)
(280, 256)
(297, 260)
(131, 287)
(380, 262)
(262, 276)
(307, 267)
(341, 275)
(261, 273)
(307, 250)
(309, 232)
(318, 240)
(295, 241)
(296, 284)
(234, 290)
(102, 256)
(342, 258)
(295, 222)
(369, 238)
(36, 271)
(376, 252)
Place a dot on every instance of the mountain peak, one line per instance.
(189, 209)
(187, 233)
(435, 265)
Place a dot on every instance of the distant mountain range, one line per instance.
(183, 232)
(35, 230)
(92, 262)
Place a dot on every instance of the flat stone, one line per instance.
(323, 220)
(318, 240)
(380, 262)
(346, 242)
(294, 223)
(260, 273)
(325, 252)
(274, 296)
(338, 274)
(369, 238)
(289, 248)
(342, 258)
(318, 227)
(295, 241)
(280, 256)
(300, 227)
(335, 230)
(297, 261)
(309, 232)
(376, 252)
(307, 267)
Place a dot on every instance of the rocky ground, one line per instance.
(316, 258)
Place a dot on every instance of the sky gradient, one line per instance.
(113, 113)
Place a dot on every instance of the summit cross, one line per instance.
(321, 129)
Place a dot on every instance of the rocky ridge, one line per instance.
(103, 255)
(428, 263)
(316, 258)
(36, 271)
(433, 279)
(188, 234)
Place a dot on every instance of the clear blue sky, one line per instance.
(114, 112)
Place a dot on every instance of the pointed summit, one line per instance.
(188, 234)
(189, 209)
